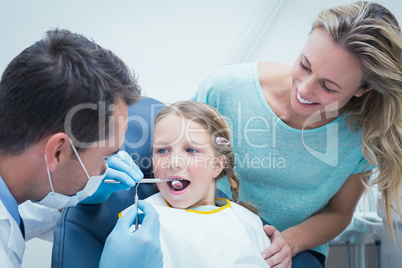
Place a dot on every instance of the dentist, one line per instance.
(63, 115)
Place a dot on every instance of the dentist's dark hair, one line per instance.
(62, 78)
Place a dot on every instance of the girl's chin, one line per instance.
(179, 205)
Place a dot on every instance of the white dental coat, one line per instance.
(12, 244)
(39, 221)
(230, 236)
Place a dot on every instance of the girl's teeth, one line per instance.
(303, 100)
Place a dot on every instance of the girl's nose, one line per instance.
(176, 162)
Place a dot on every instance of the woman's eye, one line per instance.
(327, 89)
(303, 66)
(192, 151)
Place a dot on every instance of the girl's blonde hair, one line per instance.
(211, 120)
(371, 32)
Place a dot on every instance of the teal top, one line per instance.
(289, 174)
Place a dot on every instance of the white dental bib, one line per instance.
(229, 236)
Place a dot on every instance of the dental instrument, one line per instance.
(136, 207)
(177, 184)
(152, 180)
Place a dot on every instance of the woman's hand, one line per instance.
(278, 254)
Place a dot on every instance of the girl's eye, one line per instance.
(161, 151)
(192, 151)
(327, 89)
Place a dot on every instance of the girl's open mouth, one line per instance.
(178, 184)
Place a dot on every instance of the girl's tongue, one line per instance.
(178, 185)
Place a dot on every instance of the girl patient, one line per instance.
(191, 150)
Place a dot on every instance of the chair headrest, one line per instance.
(138, 139)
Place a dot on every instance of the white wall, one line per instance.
(171, 45)
(285, 35)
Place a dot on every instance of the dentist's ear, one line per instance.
(57, 150)
(361, 91)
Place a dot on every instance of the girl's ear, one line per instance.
(362, 91)
(219, 165)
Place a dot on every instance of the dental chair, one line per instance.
(391, 254)
(81, 231)
(364, 229)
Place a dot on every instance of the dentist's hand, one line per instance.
(121, 168)
(140, 248)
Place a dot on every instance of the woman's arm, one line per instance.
(320, 228)
(326, 224)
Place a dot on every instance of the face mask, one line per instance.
(59, 201)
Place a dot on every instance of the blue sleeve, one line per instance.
(214, 85)
(204, 89)
(362, 165)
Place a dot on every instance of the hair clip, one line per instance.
(222, 140)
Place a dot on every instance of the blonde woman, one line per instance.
(308, 135)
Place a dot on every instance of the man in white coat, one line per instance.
(63, 115)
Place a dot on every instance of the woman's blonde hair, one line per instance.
(211, 120)
(371, 32)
